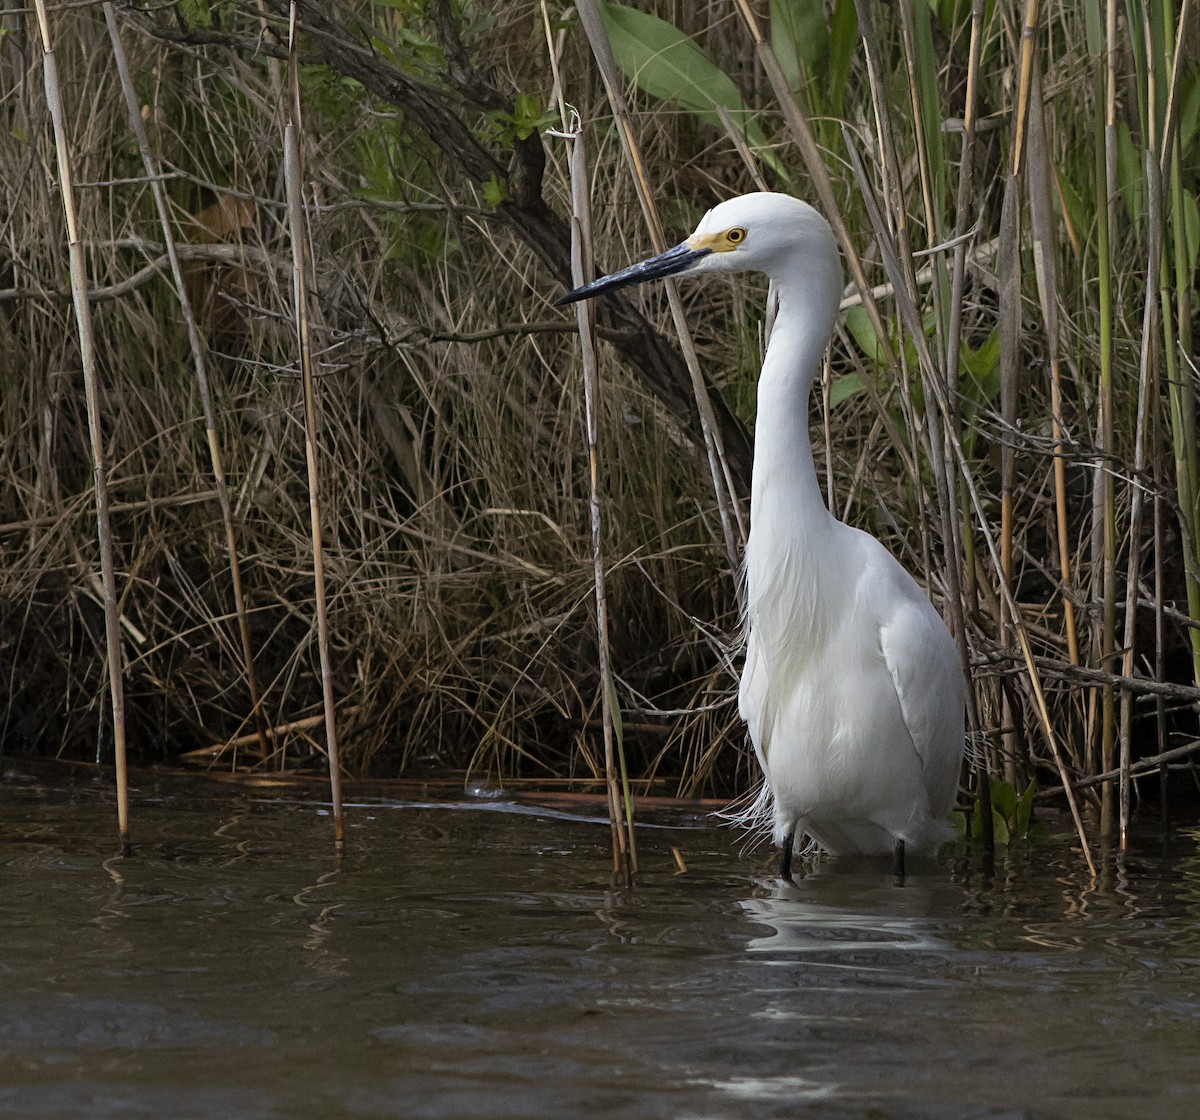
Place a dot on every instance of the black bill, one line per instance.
(670, 263)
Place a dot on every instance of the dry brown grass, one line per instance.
(454, 491)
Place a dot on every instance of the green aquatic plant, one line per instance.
(1012, 815)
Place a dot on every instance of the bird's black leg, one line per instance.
(785, 859)
(898, 862)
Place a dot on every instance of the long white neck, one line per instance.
(785, 494)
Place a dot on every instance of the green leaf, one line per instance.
(1191, 232)
(799, 34)
(1004, 798)
(1093, 24)
(999, 828)
(843, 40)
(495, 191)
(666, 64)
(1131, 181)
(1077, 213)
(845, 387)
(981, 382)
(1039, 830)
(929, 101)
(1189, 110)
(858, 323)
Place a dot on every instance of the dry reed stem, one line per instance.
(87, 348)
(620, 805)
(297, 229)
(958, 275)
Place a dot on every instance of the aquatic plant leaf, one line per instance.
(858, 323)
(1004, 798)
(799, 35)
(843, 40)
(1131, 181)
(1189, 110)
(845, 387)
(666, 64)
(1000, 831)
(1191, 232)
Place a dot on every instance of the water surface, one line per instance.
(473, 961)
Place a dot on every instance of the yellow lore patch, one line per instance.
(724, 242)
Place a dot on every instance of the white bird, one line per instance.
(852, 688)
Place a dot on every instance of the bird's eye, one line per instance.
(736, 235)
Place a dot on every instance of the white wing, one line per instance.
(924, 665)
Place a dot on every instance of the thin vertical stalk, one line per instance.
(154, 179)
(958, 274)
(1181, 394)
(732, 522)
(620, 822)
(620, 800)
(297, 230)
(1145, 405)
(806, 143)
(1009, 269)
(1045, 241)
(91, 384)
(1104, 500)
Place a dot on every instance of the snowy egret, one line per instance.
(852, 688)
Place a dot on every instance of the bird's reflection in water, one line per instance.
(848, 914)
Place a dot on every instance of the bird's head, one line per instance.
(761, 232)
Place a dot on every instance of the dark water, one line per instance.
(473, 962)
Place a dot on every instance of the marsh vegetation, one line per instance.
(1009, 404)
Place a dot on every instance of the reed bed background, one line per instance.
(1010, 403)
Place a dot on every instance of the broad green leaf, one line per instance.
(999, 828)
(1191, 232)
(1189, 110)
(1076, 212)
(843, 41)
(1093, 24)
(1131, 180)
(1004, 798)
(982, 366)
(858, 323)
(843, 388)
(1039, 830)
(930, 102)
(799, 34)
(495, 191)
(959, 820)
(666, 64)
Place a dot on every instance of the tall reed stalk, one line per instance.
(91, 383)
(620, 803)
(297, 227)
